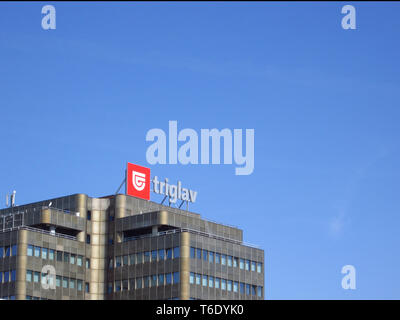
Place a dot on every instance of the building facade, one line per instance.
(122, 247)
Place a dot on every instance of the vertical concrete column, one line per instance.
(20, 285)
(81, 207)
(98, 248)
(120, 206)
(185, 266)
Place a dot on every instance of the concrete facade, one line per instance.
(122, 247)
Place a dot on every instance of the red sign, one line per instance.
(138, 181)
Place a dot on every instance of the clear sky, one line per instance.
(76, 104)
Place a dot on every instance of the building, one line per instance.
(122, 247)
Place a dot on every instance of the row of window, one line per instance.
(65, 282)
(144, 282)
(8, 276)
(8, 298)
(8, 251)
(147, 256)
(224, 284)
(61, 256)
(225, 260)
(35, 298)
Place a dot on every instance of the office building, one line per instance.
(122, 247)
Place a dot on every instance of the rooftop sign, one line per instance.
(138, 185)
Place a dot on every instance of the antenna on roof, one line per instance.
(13, 198)
(7, 201)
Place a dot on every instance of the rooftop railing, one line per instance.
(179, 230)
(55, 234)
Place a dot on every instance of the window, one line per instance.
(205, 281)
(161, 279)
(217, 258)
(198, 253)
(29, 251)
(28, 276)
(192, 253)
(205, 255)
(51, 254)
(87, 263)
(72, 283)
(161, 254)
(146, 283)
(65, 283)
(36, 277)
(125, 285)
(125, 260)
(7, 250)
(147, 256)
(223, 284)
(235, 286)
(241, 288)
(66, 257)
(229, 285)
(229, 261)
(235, 262)
(13, 275)
(191, 278)
(211, 282)
(1, 277)
(72, 259)
(253, 266)
(154, 280)
(198, 279)
(44, 253)
(211, 257)
(168, 278)
(58, 281)
(89, 215)
(132, 284)
(2, 252)
(37, 252)
(253, 290)
(139, 257)
(247, 265)
(87, 288)
(88, 238)
(109, 288)
(6, 276)
(176, 252)
(154, 255)
(117, 285)
(247, 289)
(259, 267)
(138, 283)
(14, 250)
(59, 255)
(79, 285)
(132, 260)
(169, 253)
(79, 261)
(217, 282)
(223, 260)
(175, 276)
(259, 292)
(241, 264)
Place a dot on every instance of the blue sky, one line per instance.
(76, 104)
